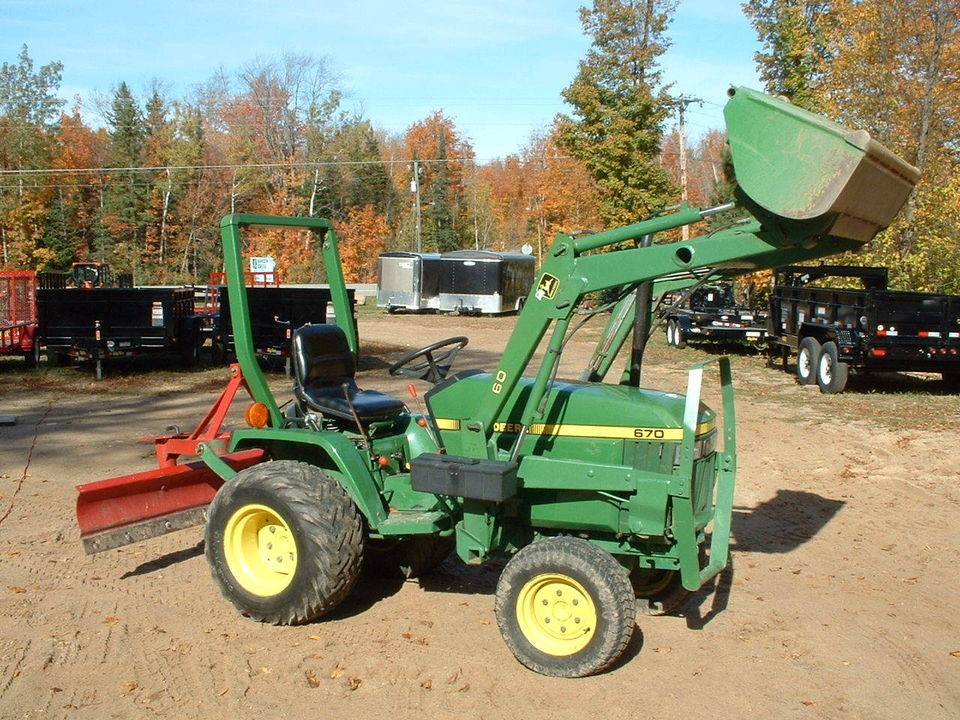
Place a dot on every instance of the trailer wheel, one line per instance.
(284, 542)
(675, 335)
(831, 373)
(32, 358)
(565, 607)
(808, 357)
(671, 329)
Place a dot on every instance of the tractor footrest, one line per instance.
(488, 480)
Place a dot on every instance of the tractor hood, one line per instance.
(573, 409)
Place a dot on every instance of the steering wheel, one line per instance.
(432, 362)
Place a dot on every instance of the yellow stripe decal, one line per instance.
(612, 432)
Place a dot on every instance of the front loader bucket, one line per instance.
(804, 168)
(123, 510)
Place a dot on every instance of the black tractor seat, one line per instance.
(324, 378)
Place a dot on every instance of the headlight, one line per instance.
(702, 446)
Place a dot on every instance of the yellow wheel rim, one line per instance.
(260, 550)
(556, 614)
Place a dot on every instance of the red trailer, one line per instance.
(18, 315)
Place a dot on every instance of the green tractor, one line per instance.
(596, 493)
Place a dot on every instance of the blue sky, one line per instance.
(496, 67)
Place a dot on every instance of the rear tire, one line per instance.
(565, 607)
(284, 542)
(831, 373)
(808, 358)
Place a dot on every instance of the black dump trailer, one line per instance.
(835, 330)
(101, 324)
(408, 281)
(275, 312)
(481, 282)
(711, 313)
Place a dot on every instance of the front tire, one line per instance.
(565, 607)
(284, 542)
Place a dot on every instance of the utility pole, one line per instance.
(681, 103)
(415, 188)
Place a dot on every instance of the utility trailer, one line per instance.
(274, 314)
(408, 281)
(482, 282)
(711, 313)
(601, 496)
(101, 324)
(18, 315)
(833, 330)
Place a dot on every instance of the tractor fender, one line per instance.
(329, 450)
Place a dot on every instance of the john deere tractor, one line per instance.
(601, 495)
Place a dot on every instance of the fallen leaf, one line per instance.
(956, 653)
(110, 620)
(663, 650)
(427, 684)
(337, 671)
(808, 703)
(355, 683)
(312, 679)
(16, 589)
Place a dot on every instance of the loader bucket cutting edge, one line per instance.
(127, 509)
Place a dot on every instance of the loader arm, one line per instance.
(828, 190)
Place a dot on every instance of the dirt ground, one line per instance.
(840, 601)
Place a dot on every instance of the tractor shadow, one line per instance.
(779, 525)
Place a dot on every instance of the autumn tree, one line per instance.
(29, 111)
(361, 236)
(894, 73)
(796, 49)
(620, 106)
(75, 192)
(443, 160)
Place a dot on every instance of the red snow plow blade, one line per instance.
(131, 508)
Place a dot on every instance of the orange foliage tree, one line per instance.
(362, 237)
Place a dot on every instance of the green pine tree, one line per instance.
(620, 107)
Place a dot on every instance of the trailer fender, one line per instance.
(332, 451)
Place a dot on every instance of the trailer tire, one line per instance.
(832, 374)
(32, 359)
(278, 515)
(565, 607)
(808, 359)
(675, 335)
